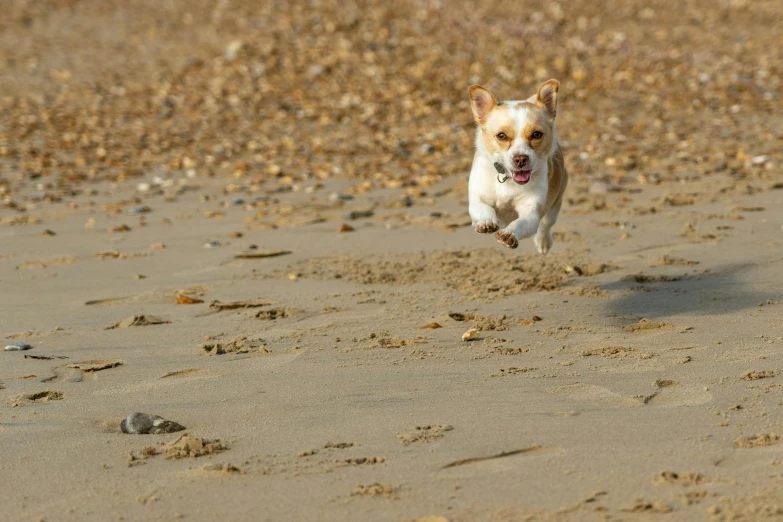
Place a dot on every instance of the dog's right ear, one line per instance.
(482, 102)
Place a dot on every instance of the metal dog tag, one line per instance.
(501, 172)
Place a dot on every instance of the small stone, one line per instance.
(471, 334)
(358, 214)
(760, 160)
(212, 244)
(144, 423)
(186, 299)
(336, 196)
(17, 347)
(316, 70)
(233, 50)
(431, 326)
(345, 228)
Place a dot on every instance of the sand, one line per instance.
(309, 336)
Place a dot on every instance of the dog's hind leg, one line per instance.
(543, 239)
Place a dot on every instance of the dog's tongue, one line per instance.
(521, 176)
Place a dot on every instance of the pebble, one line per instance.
(232, 51)
(212, 244)
(471, 334)
(316, 70)
(760, 160)
(144, 423)
(17, 347)
(358, 214)
(238, 201)
(406, 201)
(336, 196)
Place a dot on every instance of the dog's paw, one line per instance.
(485, 226)
(543, 242)
(507, 238)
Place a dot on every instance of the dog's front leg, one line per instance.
(524, 226)
(484, 218)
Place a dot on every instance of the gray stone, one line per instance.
(358, 214)
(17, 347)
(144, 423)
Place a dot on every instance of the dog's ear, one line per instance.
(547, 96)
(482, 102)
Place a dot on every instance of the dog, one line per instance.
(518, 175)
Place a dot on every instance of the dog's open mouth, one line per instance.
(521, 176)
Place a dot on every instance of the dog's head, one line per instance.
(518, 134)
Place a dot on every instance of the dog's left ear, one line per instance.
(547, 96)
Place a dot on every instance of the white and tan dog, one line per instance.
(518, 177)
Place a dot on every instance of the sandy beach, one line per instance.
(251, 219)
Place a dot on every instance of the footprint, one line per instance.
(76, 372)
(595, 395)
(95, 365)
(64, 374)
(44, 396)
(679, 395)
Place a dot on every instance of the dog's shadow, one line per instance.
(723, 290)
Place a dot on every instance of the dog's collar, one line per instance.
(501, 172)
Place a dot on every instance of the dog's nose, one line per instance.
(520, 160)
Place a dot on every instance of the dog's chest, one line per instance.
(504, 203)
(507, 196)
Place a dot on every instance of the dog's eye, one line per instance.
(537, 135)
(501, 136)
